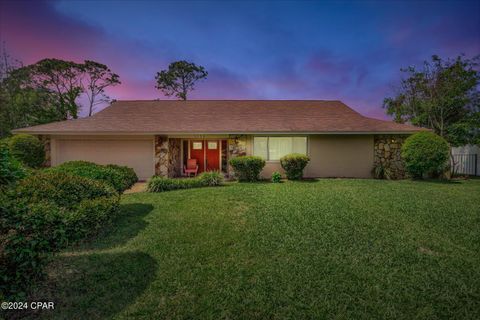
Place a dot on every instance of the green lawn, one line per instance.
(346, 249)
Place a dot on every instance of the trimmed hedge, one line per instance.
(119, 177)
(294, 164)
(28, 235)
(129, 175)
(10, 168)
(425, 153)
(42, 214)
(62, 189)
(247, 168)
(206, 179)
(27, 149)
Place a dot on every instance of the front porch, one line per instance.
(211, 152)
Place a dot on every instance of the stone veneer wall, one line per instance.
(47, 147)
(174, 156)
(387, 150)
(237, 147)
(161, 156)
(167, 156)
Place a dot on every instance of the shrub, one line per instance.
(10, 168)
(28, 235)
(90, 216)
(161, 184)
(28, 150)
(210, 178)
(120, 178)
(293, 164)
(425, 153)
(62, 189)
(247, 168)
(129, 175)
(42, 214)
(276, 177)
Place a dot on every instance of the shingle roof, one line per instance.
(223, 116)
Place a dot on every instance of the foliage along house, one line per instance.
(157, 137)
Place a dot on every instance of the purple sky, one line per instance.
(350, 51)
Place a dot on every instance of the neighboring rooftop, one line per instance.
(222, 116)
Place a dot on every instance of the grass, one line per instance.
(346, 249)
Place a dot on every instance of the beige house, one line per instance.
(157, 137)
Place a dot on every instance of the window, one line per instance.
(273, 148)
(197, 146)
(212, 145)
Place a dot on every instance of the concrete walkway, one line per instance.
(137, 187)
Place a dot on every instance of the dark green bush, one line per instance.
(247, 168)
(62, 189)
(42, 214)
(28, 150)
(129, 175)
(120, 178)
(276, 177)
(425, 153)
(90, 216)
(29, 233)
(293, 164)
(10, 168)
(210, 178)
(206, 179)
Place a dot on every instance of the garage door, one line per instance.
(136, 154)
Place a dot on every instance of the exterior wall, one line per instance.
(167, 156)
(174, 159)
(136, 152)
(237, 146)
(388, 154)
(331, 156)
(47, 147)
(349, 156)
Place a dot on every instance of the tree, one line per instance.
(97, 77)
(180, 78)
(62, 79)
(442, 96)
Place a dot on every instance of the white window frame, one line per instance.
(307, 149)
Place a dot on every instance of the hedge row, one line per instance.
(206, 179)
(119, 177)
(42, 214)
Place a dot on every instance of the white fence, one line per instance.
(466, 160)
(466, 164)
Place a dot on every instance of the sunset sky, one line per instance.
(350, 51)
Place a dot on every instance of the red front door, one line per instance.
(212, 155)
(197, 151)
(207, 153)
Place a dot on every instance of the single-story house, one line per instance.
(157, 137)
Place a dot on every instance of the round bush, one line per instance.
(120, 178)
(62, 189)
(28, 150)
(293, 164)
(425, 153)
(276, 177)
(129, 175)
(247, 168)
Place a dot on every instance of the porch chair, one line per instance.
(191, 167)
